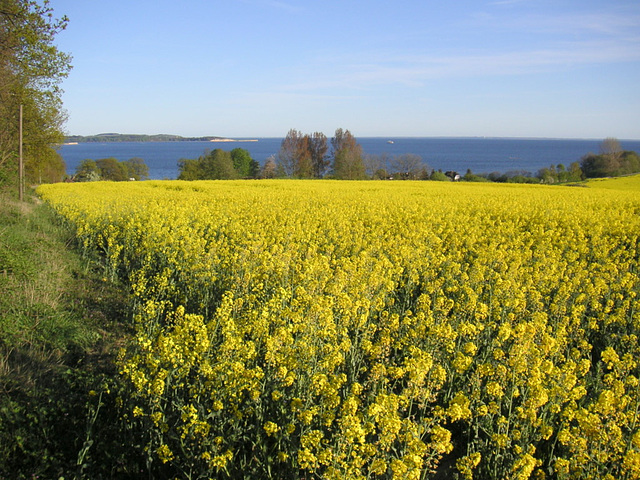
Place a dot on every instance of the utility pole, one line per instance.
(21, 166)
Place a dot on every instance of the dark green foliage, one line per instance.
(46, 167)
(607, 165)
(219, 165)
(136, 168)
(612, 161)
(348, 161)
(522, 179)
(559, 174)
(380, 174)
(111, 169)
(244, 165)
(87, 171)
(189, 169)
(471, 177)
(66, 426)
(595, 166)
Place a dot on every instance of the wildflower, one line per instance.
(465, 465)
(164, 453)
(606, 402)
(271, 428)
(459, 407)
(441, 440)
(610, 357)
(523, 467)
(494, 389)
(283, 456)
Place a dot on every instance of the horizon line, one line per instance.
(390, 137)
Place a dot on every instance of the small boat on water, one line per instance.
(389, 141)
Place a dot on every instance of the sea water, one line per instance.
(480, 155)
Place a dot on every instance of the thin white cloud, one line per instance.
(415, 70)
(616, 23)
(550, 43)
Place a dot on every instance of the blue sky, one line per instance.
(256, 68)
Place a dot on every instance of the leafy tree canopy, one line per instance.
(613, 161)
(244, 165)
(111, 169)
(348, 161)
(137, 169)
(303, 156)
(219, 165)
(31, 70)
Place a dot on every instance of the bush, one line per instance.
(438, 176)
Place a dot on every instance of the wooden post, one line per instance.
(21, 165)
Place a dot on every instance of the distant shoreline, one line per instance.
(232, 140)
(122, 138)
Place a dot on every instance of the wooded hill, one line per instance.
(119, 137)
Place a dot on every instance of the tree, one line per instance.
(594, 166)
(630, 162)
(575, 173)
(136, 168)
(31, 69)
(408, 166)
(548, 175)
(87, 171)
(376, 165)
(348, 163)
(190, 169)
(303, 167)
(555, 174)
(218, 165)
(612, 151)
(288, 153)
(471, 177)
(48, 166)
(269, 168)
(244, 165)
(111, 169)
(301, 156)
(611, 162)
(318, 147)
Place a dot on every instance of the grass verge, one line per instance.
(61, 325)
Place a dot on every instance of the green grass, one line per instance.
(628, 182)
(61, 325)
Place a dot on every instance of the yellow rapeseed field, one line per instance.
(352, 330)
